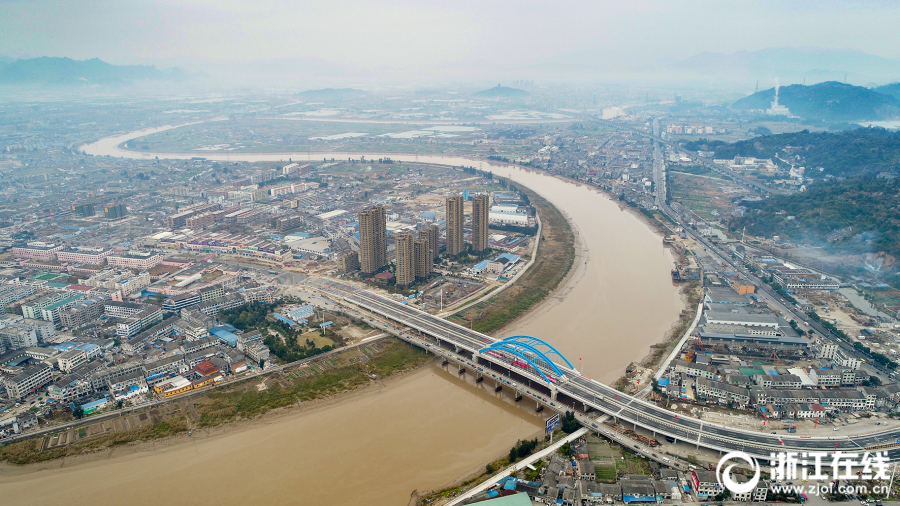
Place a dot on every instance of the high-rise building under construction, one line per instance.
(454, 225)
(481, 206)
(372, 240)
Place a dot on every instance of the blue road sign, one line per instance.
(552, 424)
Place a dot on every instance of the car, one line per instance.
(836, 428)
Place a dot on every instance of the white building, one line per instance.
(71, 359)
(84, 255)
(140, 260)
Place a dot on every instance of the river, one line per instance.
(427, 429)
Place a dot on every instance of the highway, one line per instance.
(625, 408)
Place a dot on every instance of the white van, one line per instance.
(667, 461)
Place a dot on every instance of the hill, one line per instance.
(892, 89)
(501, 92)
(328, 94)
(65, 71)
(830, 101)
(849, 153)
(867, 206)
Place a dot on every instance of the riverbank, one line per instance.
(244, 402)
(616, 301)
(396, 424)
(552, 263)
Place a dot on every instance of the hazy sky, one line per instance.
(423, 33)
(419, 32)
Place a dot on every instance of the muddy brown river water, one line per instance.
(420, 432)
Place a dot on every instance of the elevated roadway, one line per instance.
(563, 387)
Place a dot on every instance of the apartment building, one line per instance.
(405, 259)
(37, 250)
(481, 206)
(423, 257)
(372, 239)
(139, 260)
(29, 380)
(454, 208)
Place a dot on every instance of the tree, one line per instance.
(78, 412)
(569, 423)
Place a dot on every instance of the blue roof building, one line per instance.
(226, 333)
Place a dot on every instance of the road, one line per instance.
(724, 258)
(588, 393)
(738, 178)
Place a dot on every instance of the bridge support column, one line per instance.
(553, 393)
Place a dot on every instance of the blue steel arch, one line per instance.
(516, 353)
(534, 342)
(517, 348)
(521, 347)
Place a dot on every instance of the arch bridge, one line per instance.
(533, 351)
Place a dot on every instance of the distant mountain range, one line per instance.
(830, 101)
(328, 94)
(793, 65)
(890, 89)
(501, 91)
(68, 72)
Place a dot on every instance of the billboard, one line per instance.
(552, 424)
